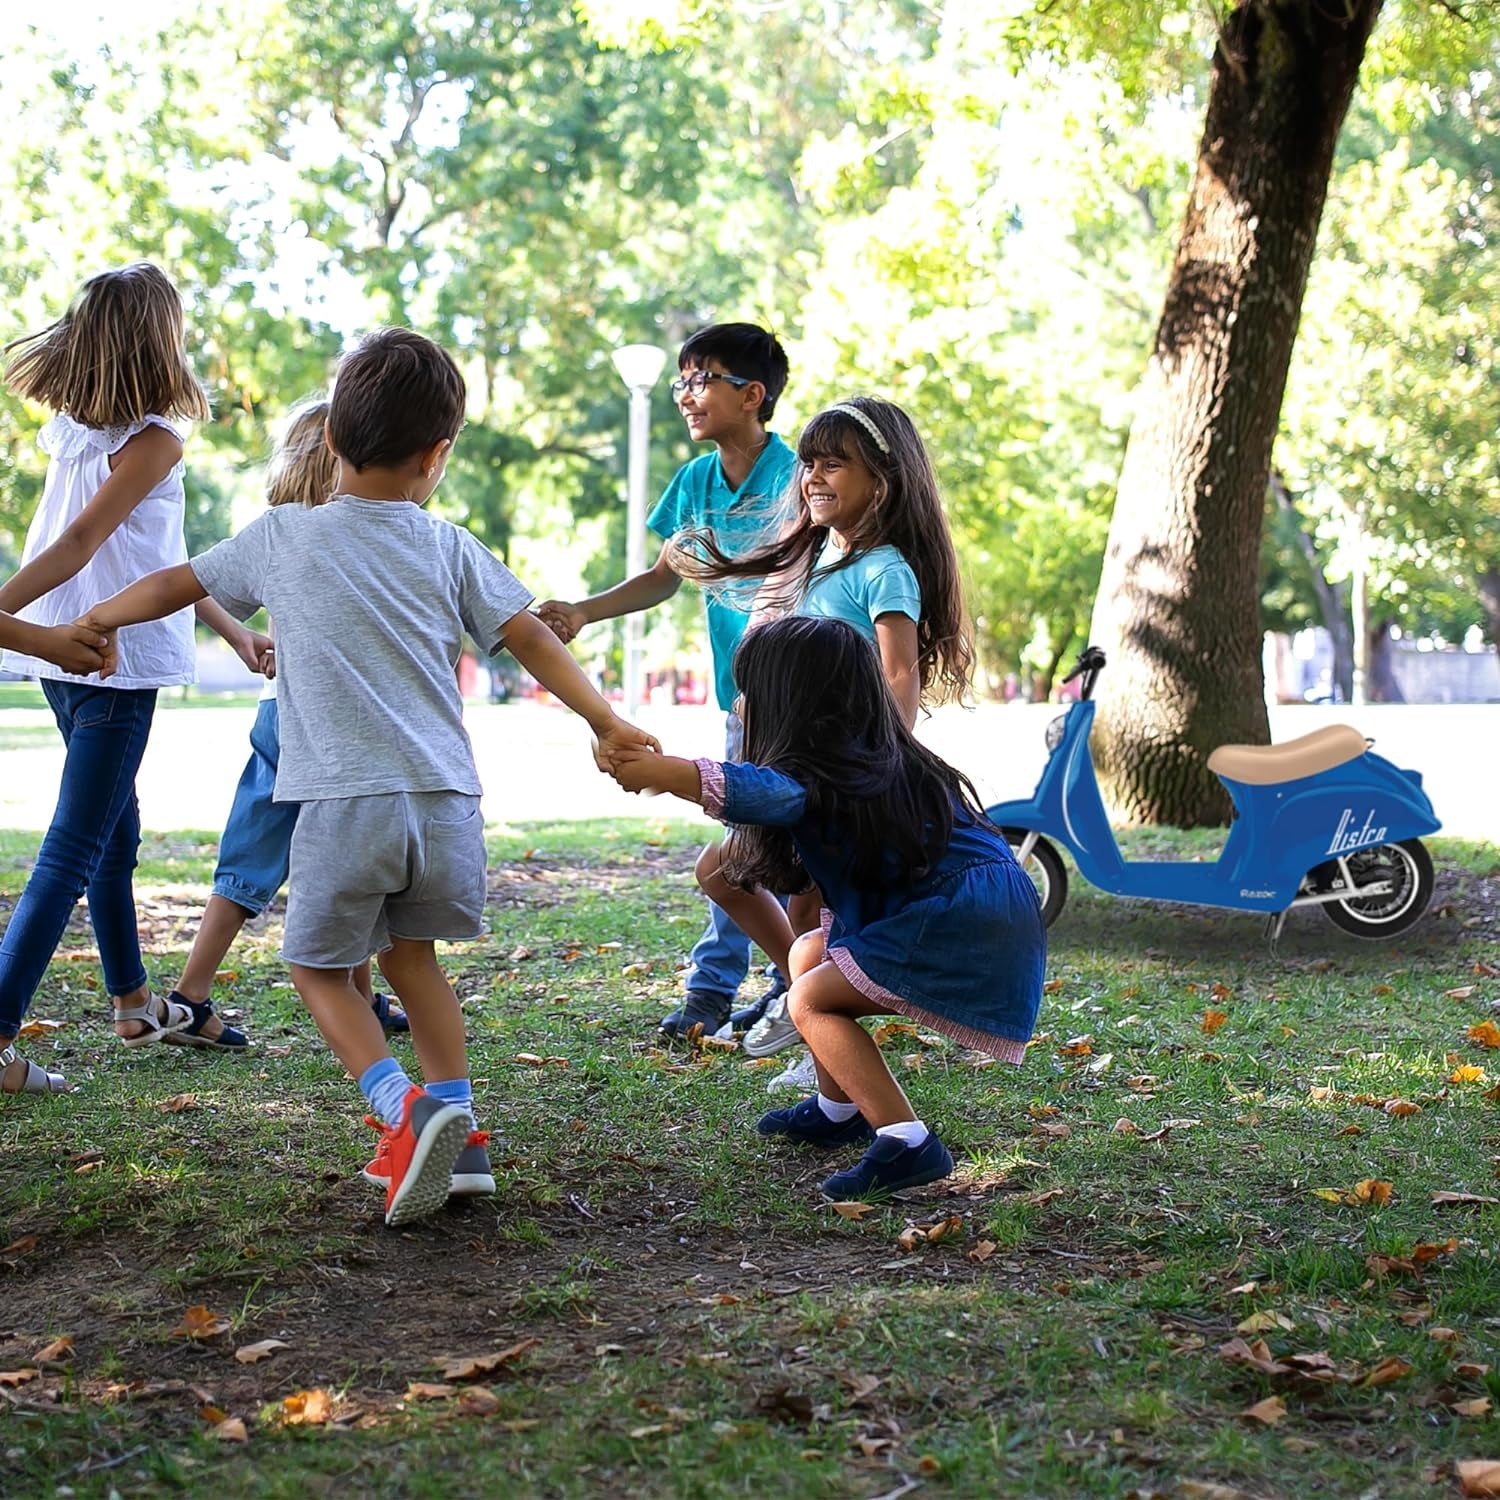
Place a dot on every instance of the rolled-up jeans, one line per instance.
(90, 847)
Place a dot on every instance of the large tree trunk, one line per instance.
(1489, 602)
(1177, 611)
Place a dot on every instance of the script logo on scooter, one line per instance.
(1346, 837)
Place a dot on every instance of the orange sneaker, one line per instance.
(472, 1176)
(421, 1153)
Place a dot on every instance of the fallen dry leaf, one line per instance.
(1389, 1369)
(1478, 1476)
(982, 1251)
(1449, 1200)
(1444, 1335)
(854, 1210)
(910, 1238)
(1372, 1190)
(1351, 1130)
(1036, 1200)
(1471, 1371)
(1052, 986)
(306, 1408)
(231, 1430)
(1401, 1108)
(1212, 1021)
(1463, 992)
(1256, 1356)
(13, 1378)
(252, 1354)
(178, 1104)
(1270, 1411)
(428, 1390)
(1486, 1034)
(1477, 1406)
(1421, 1254)
(945, 1229)
(1078, 1046)
(201, 1323)
(59, 1351)
(1057, 1130)
(21, 1246)
(470, 1366)
(1264, 1322)
(478, 1401)
(1466, 1073)
(213, 1414)
(38, 1028)
(1124, 1126)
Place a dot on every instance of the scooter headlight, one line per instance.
(1055, 731)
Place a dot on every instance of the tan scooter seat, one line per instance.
(1265, 765)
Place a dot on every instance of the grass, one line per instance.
(703, 1326)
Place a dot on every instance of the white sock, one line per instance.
(837, 1110)
(908, 1132)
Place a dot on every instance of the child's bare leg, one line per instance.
(437, 1024)
(826, 1008)
(220, 926)
(343, 1015)
(758, 913)
(360, 978)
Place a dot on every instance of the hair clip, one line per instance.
(869, 426)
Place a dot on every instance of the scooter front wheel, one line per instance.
(1048, 873)
(1407, 869)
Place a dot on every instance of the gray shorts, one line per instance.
(395, 864)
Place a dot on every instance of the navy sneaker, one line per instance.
(888, 1166)
(806, 1124)
(699, 1009)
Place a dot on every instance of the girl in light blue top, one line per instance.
(869, 546)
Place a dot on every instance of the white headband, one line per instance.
(853, 411)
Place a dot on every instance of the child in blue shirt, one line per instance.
(925, 912)
(730, 378)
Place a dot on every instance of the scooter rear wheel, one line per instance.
(1048, 873)
(1407, 867)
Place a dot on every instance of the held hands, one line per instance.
(78, 648)
(619, 738)
(563, 620)
(257, 652)
(642, 771)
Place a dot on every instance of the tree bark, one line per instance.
(1489, 602)
(1177, 612)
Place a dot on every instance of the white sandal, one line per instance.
(174, 1017)
(37, 1079)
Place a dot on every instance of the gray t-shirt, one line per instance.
(371, 599)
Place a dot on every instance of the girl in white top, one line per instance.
(114, 370)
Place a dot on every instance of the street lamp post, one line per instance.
(640, 366)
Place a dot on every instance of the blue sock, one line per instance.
(456, 1091)
(386, 1086)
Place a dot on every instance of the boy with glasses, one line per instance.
(730, 378)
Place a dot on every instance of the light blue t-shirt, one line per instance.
(878, 582)
(699, 498)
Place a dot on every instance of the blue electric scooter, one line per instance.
(1318, 821)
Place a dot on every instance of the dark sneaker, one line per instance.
(887, 1167)
(420, 1156)
(699, 1009)
(806, 1124)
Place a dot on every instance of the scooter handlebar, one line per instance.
(1091, 659)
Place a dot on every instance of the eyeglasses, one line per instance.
(697, 382)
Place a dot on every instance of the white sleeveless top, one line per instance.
(158, 654)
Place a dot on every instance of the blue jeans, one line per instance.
(255, 851)
(721, 957)
(91, 846)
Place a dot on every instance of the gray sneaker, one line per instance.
(772, 1032)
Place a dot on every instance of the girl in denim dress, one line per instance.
(925, 912)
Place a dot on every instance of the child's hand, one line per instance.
(563, 620)
(642, 770)
(620, 738)
(77, 648)
(254, 650)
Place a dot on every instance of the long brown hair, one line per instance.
(906, 514)
(817, 708)
(115, 356)
(303, 469)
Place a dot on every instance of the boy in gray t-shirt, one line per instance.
(371, 598)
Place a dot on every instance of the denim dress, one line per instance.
(962, 950)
